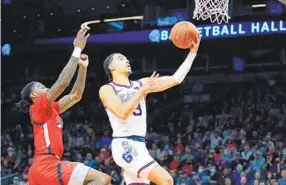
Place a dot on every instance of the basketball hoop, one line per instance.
(215, 10)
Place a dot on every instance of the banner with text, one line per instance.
(212, 31)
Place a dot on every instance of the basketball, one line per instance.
(183, 33)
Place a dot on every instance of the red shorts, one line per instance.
(49, 170)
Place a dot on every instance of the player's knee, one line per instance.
(94, 175)
(105, 180)
(102, 181)
(160, 176)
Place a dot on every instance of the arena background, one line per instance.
(234, 95)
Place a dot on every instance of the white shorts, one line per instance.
(132, 179)
(134, 158)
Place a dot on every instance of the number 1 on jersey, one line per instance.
(138, 111)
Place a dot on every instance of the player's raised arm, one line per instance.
(166, 82)
(69, 70)
(123, 110)
(75, 95)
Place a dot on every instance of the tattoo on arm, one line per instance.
(67, 102)
(75, 96)
(79, 85)
(64, 79)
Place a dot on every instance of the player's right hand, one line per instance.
(83, 60)
(196, 45)
(150, 83)
(81, 38)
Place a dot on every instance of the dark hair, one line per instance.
(106, 64)
(24, 104)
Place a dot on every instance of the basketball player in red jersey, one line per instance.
(39, 101)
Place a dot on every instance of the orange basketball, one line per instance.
(183, 33)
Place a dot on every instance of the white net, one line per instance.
(215, 10)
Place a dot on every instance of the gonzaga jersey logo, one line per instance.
(126, 96)
(129, 152)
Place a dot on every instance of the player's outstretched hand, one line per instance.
(83, 60)
(196, 45)
(85, 26)
(81, 38)
(149, 84)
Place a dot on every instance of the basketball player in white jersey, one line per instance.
(124, 101)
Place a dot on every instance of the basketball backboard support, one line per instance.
(283, 1)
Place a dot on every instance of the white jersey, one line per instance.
(135, 124)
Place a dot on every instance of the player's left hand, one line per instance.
(81, 39)
(195, 45)
(83, 60)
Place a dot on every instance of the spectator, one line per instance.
(214, 175)
(105, 140)
(155, 151)
(243, 181)
(257, 163)
(225, 174)
(230, 153)
(228, 181)
(173, 173)
(26, 169)
(5, 168)
(16, 181)
(116, 178)
(268, 178)
(175, 163)
(90, 160)
(255, 182)
(257, 178)
(236, 161)
(237, 174)
(269, 161)
(282, 180)
(276, 166)
(184, 179)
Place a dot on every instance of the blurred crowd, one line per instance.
(238, 140)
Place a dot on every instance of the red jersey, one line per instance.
(47, 126)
